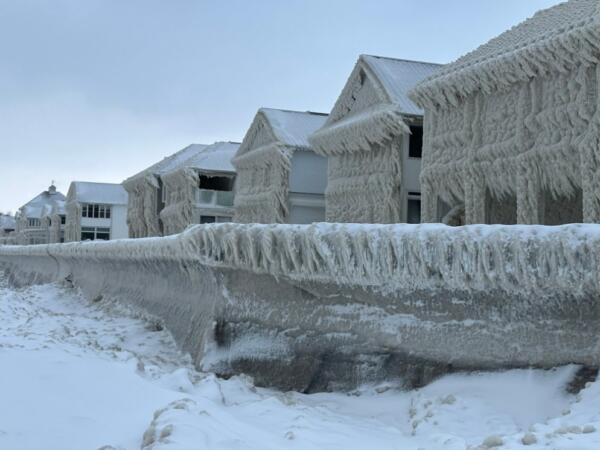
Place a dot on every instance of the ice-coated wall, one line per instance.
(329, 306)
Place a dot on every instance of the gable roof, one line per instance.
(280, 127)
(550, 40)
(293, 128)
(398, 77)
(56, 207)
(382, 84)
(34, 208)
(103, 193)
(170, 163)
(215, 157)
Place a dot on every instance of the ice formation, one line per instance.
(328, 306)
(145, 192)
(362, 140)
(263, 163)
(181, 186)
(511, 129)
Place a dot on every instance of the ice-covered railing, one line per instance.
(516, 259)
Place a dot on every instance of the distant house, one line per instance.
(53, 221)
(200, 189)
(280, 179)
(146, 197)
(8, 225)
(29, 217)
(512, 128)
(373, 139)
(95, 211)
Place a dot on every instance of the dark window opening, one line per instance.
(207, 219)
(62, 220)
(216, 183)
(415, 146)
(413, 211)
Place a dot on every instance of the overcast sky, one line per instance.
(97, 90)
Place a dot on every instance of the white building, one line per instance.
(200, 189)
(373, 140)
(96, 211)
(29, 217)
(8, 225)
(53, 221)
(280, 179)
(146, 197)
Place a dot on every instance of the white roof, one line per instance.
(56, 207)
(35, 207)
(7, 222)
(215, 157)
(173, 162)
(103, 193)
(398, 77)
(293, 127)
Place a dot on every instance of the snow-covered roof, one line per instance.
(56, 207)
(398, 77)
(103, 193)
(170, 163)
(552, 38)
(34, 208)
(374, 105)
(7, 222)
(215, 157)
(293, 127)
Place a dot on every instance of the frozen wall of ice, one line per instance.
(329, 306)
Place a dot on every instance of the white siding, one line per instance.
(119, 228)
(309, 173)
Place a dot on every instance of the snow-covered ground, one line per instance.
(80, 375)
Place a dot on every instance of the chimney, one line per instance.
(52, 189)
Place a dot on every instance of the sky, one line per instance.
(97, 90)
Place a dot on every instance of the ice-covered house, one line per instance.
(96, 211)
(280, 179)
(200, 190)
(512, 129)
(372, 139)
(53, 221)
(146, 195)
(29, 217)
(8, 224)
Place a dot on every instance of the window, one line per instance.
(216, 183)
(95, 233)
(95, 211)
(413, 211)
(62, 220)
(34, 223)
(207, 219)
(415, 146)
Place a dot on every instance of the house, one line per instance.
(372, 139)
(29, 217)
(200, 189)
(280, 179)
(53, 221)
(513, 128)
(8, 226)
(95, 211)
(145, 193)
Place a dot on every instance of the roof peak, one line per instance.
(366, 55)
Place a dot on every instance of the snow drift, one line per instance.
(330, 306)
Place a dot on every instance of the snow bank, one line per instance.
(329, 306)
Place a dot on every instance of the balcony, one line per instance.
(207, 197)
